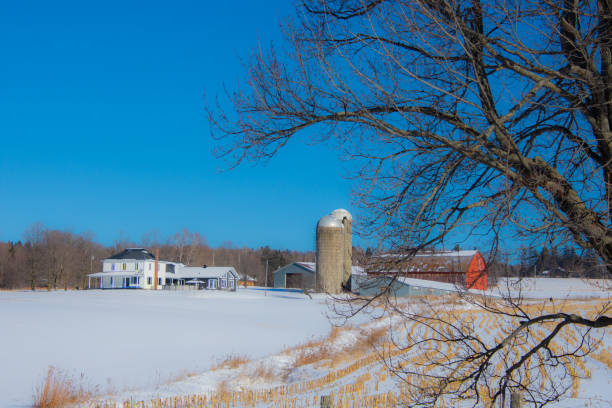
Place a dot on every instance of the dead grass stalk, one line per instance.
(58, 389)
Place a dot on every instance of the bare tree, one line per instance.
(196, 241)
(33, 237)
(462, 117)
(181, 240)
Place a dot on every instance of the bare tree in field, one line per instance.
(34, 237)
(462, 117)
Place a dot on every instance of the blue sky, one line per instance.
(103, 125)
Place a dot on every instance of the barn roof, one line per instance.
(425, 261)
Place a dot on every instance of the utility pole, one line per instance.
(90, 272)
(156, 268)
(316, 288)
(266, 283)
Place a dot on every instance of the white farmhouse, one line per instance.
(134, 268)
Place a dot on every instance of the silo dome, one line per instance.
(329, 221)
(341, 214)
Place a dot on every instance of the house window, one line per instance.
(124, 267)
(134, 281)
(212, 284)
(112, 267)
(149, 280)
(159, 281)
(111, 280)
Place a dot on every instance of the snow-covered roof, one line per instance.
(423, 262)
(187, 272)
(311, 266)
(461, 253)
(119, 273)
(307, 265)
(421, 283)
(467, 252)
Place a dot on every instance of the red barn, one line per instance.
(466, 268)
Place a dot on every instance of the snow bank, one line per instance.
(123, 339)
(556, 288)
(533, 288)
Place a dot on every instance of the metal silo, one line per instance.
(347, 243)
(329, 255)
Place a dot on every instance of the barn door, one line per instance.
(294, 280)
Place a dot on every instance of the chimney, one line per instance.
(155, 270)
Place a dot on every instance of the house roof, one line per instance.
(120, 273)
(133, 253)
(187, 272)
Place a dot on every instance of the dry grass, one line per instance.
(370, 338)
(58, 390)
(310, 355)
(319, 351)
(231, 361)
(264, 372)
(604, 356)
(223, 388)
(359, 380)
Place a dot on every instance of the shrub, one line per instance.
(58, 390)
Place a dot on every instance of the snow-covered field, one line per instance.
(140, 339)
(145, 344)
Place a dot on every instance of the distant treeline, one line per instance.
(552, 262)
(54, 259)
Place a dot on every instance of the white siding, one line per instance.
(144, 269)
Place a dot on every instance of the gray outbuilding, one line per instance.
(295, 275)
(372, 286)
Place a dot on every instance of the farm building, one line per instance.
(299, 275)
(295, 275)
(209, 277)
(462, 268)
(246, 280)
(365, 285)
(137, 268)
